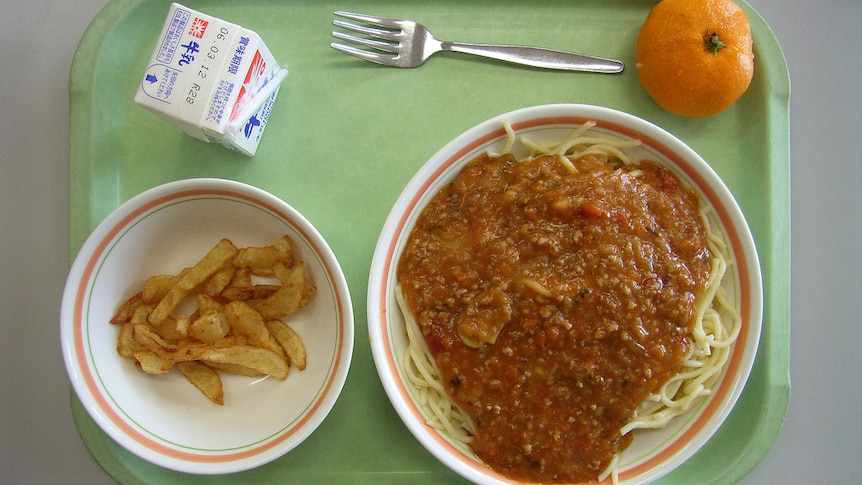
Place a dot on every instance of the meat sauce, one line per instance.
(554, 302)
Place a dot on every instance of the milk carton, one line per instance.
(214, 79)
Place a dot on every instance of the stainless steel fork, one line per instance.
(404, 43)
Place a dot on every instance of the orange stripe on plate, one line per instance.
(721, 211)
(86, 368)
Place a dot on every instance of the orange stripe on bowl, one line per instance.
(719, 394)
(87, 371)
(733, 365)
(468, 460)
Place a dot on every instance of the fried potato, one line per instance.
(170, 328)
(241, 279)
(181, 325)
(126, 343)
(141, 314)
(205, 378)
(254, 292)
(181, 350)
(289, 341)
(251, 356)
(211, 326)
(240, 294)
(218, 281)
(145, 336)
(207, 303)
(292, 295)
(151, 363)
(156, 287)
(218, 256)
(244, 320)
(127, 309)
(288, 274)
(235, 369)
(260, 260)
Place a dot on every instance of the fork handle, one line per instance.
(537, 57)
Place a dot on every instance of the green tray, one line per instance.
(345, 137)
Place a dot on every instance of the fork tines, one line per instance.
(381, 34)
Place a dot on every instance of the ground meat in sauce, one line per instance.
(554, 302)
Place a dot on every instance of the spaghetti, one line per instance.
(710, 329)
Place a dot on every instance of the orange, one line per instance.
(694, 57)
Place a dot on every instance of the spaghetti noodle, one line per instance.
(711, 328)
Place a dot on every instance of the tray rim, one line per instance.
(774, 257)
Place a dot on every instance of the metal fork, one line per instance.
(404, 43)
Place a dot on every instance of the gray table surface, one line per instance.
(820, 441)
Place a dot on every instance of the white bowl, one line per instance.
(653, 453)
(164, 419)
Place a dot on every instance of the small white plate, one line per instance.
(653, 453)
(164, 419)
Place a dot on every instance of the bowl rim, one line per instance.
(449, 159)
(81, 279)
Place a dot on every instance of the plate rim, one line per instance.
(93, 251)
(452, 154)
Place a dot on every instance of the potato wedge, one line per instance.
(292, 295)
(241, 279)
(127, 309)
(205, 378)
(218, 281)
(217, 257)
(181, 325)
(151, 363)
(141, 314)
(253, 357)
(207, 303)
(171, 328)
(157, 286)
(145, 336)
(261, 259)
(245, 293)
(126, 343)
(245, 320)
(181, 350)
(211, 326)
(290, 342)
(235, 369)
